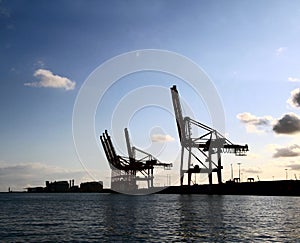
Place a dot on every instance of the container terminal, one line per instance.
(199, 154)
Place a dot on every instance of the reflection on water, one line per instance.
(152, 218)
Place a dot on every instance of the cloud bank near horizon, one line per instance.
(289, 151)
(20, 176)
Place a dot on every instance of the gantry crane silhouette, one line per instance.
(210, 144)
(127, 171)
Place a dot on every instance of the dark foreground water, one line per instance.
(152, 218)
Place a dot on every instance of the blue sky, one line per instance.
(249, 49)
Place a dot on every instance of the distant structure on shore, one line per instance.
(65, 186)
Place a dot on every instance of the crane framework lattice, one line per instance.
(206, 149)
(127, 171)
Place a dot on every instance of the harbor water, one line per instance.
(68, 217)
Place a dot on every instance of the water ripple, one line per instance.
(150, 218)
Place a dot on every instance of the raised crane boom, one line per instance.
(129, 148)
(178, 112)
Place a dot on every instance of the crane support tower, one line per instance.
(205, 149)
(127, 171)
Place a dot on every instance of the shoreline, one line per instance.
(262, 188)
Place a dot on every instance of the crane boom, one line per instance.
(129, 148)
(178, 112)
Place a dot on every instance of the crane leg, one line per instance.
(181, 166)
(219, 171)
(210, 178)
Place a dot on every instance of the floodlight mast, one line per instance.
(211, 142)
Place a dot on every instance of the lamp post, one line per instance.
(286, 174)
(231, 172)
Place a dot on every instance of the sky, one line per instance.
(48, 49)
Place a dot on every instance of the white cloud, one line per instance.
(160, 138)
(294, 100)
(255, 124)
(281, 50)
(50, 80)
(293, 79)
